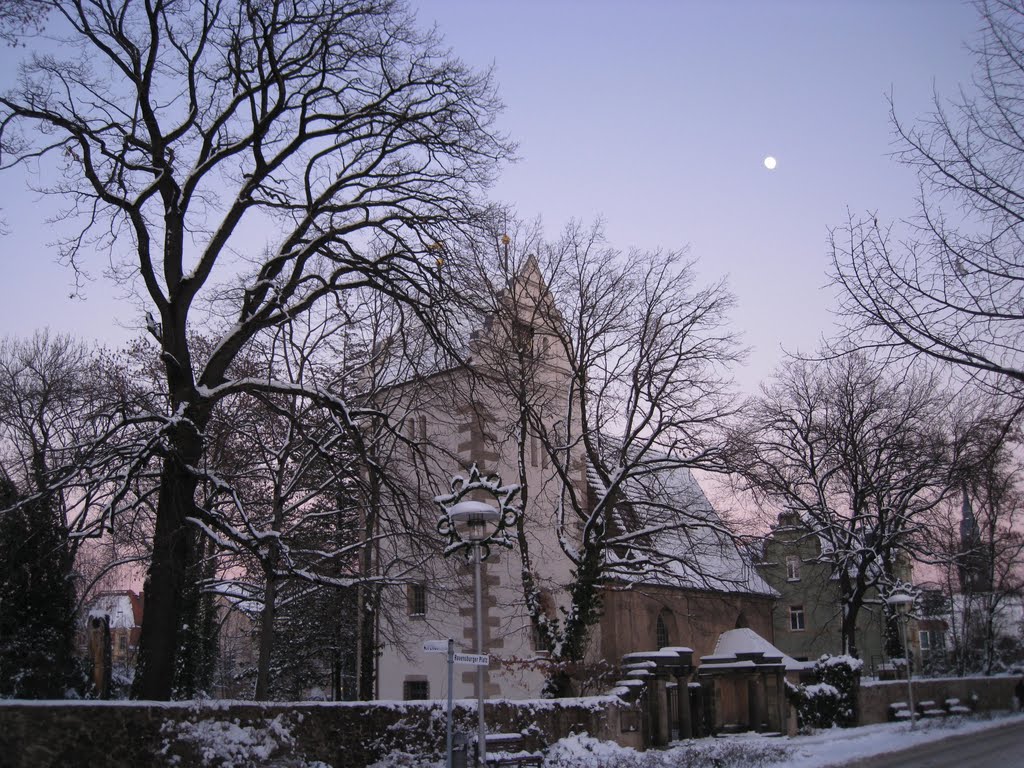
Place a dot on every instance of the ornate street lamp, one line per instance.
(474, 525)
(903, 602)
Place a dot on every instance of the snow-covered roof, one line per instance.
(735, 643)
(696, 549)
(118, 606)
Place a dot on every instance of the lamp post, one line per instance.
(475, 525)
(902, 602)
(476, 517)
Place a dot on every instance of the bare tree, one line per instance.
(350, 139)
(613, 368)
(976, 542)
(47, 409)
(949, 284)
(295, 492)
(861, 455)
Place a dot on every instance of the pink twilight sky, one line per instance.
(655, 115)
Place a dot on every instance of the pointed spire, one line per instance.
(968, 525)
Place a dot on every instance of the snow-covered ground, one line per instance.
(833, 747)
(837, 746)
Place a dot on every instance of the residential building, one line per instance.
(807, 618)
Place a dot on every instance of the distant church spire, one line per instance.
(973, 573)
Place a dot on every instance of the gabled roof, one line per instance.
(124, 609)
(669, 508)
(737, 648)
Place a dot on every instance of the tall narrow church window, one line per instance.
(417, 599)
(661, 636)
(522, 338)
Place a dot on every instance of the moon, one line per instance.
(770, 163)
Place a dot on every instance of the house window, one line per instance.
(796, 618)
(534, 450)
(540, 640)
(122, 644)
(925, 640)
(417, 597)
(415, 428)
(792, 568)
(415, 690)
(661, 637)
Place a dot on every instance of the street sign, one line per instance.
(475, 659)
(435, 646)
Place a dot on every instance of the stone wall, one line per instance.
(130, 734)
(874, 698)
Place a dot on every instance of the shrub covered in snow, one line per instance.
(583, 751)
(832, 700)
(203, 741)
(420, 735)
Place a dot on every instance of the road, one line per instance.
(995, 748)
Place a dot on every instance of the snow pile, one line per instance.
(229, 744)
(582, 751)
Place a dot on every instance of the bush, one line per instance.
(833, 699)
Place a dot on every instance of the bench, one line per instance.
(930, 709)
(505, 749)
(524, 759)
(954, 707)
(899, 711)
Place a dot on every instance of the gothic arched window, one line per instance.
(661, 636)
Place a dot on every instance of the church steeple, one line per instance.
(972, 571)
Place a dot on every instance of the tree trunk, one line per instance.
(172, 556)
(266, 637)
(851, 608)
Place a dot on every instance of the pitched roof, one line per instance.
(124, 609)
(736, 646)
(666, 512)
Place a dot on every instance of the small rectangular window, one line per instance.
(534, 450)
(540, 643)
(792, 568)
(415, 690)
(925, 639)
(417, 597)
(796, 618)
